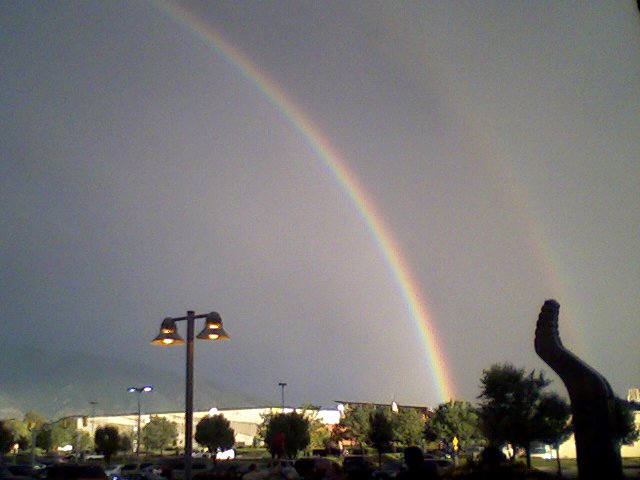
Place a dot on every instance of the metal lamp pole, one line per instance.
(168, 335)
(139, 391)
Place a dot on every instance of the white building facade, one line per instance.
(244, 421)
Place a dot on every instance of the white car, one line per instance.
(543, 451)
(226, 454)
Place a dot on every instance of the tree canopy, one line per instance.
(456, 418)
(624, 425)
(44, 438)
(159, 433)
(107, 441)
(215, 433)
(510, 407)
(355, 422)
(287, 434)
(319, 434)
(408, 425)
(380, 433)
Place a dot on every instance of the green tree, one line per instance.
(408, 425)
(380, 434)
(355, 422)
(287, 434)
(456, 418)
(261, 432)
(215, 433)
(509, 405)
(84, 441)
(625, 430)
(107, 442)
(63, 433)
(320, 435)
(159, 433)
(34, 419)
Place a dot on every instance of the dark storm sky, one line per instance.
(143, 174)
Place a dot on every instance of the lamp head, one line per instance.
(168, 334)
(213, 329)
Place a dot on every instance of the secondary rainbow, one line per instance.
(348, 182)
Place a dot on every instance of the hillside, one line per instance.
(61, 383)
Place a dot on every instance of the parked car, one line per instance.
(226, 454)
(546, 452)
(358, 466)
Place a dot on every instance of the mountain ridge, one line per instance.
(58, 384)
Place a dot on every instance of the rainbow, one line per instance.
(347, 181)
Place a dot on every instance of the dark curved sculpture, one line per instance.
(592, 401)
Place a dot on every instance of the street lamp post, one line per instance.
(282, 385)
(213, 330)
(139, 391)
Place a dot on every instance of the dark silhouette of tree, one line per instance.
(456, 418)
(21, 434)
(215, 433)
(159, 434)
(44, 438)
(107, 442)
(287, 434)
(625, 429)
(6, 439)
(380, 433)
(509, 404)
(553, 418)
(126, 444)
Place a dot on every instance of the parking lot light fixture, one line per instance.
(213, 329)
(168, 335)
(139, 391)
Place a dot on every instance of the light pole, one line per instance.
(139, 391)
(282, 385)
(168, 335)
